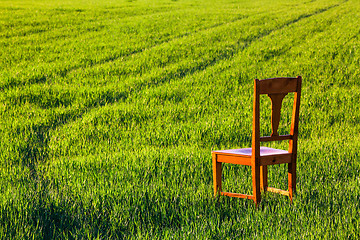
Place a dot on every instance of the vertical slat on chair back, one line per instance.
(277, 89)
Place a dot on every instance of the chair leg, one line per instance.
(263, 178)
(216, 175)
(256, 183)
(292, 179)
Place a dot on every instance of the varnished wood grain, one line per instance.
(278, 85)
(293, 142)
(242, 160)
(255, 157)
(238, 195)
(263, 178)
(276, 101)
(275, 159)
(275, 138)
(217, 171)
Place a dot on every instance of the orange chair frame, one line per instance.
(260, 157)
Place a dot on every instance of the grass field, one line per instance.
(110, 110)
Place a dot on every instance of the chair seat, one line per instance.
(264, 151)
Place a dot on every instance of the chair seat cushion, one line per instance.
(264, 151)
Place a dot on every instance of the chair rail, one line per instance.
(275, 138)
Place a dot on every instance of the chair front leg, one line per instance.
(217, 171)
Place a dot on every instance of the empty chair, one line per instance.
(260, 157)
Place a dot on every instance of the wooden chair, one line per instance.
(260, 157)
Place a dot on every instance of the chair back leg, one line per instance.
(292, 179)
(263, 178)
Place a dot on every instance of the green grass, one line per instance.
(110, 110)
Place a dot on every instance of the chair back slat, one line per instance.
(276, 101)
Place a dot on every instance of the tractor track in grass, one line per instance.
(64, 72)
(218, 57)
(182, 72)
(168, 12)
(42, 78)
(42, 131)
(84, 169)
(59, 11)
(192, 70)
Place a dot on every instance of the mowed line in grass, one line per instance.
(44, 77)
(175, 12)
(70, 64)
(171, 40)
(18, 25)
(120, 185)
(127, 73)
(167, 98)
(44, 105)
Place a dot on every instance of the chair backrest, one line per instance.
(276, 89)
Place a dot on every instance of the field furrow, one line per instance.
(109, 111)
